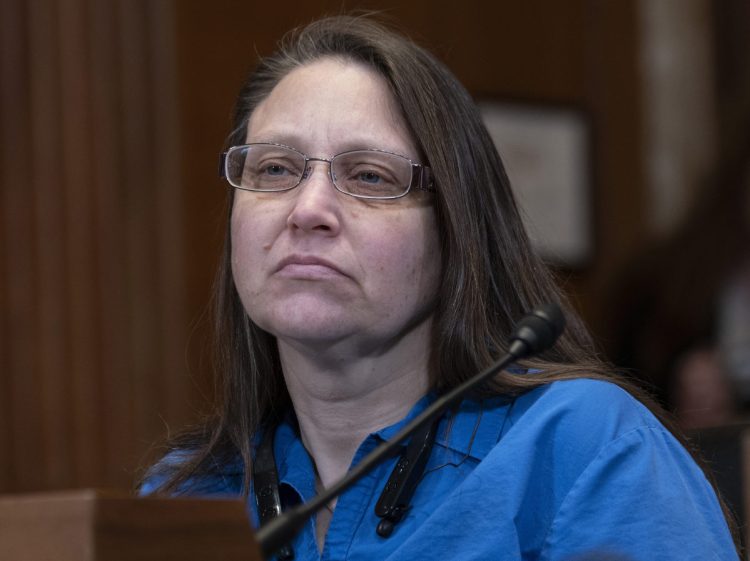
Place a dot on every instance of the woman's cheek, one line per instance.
(245, 250)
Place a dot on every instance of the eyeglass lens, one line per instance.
(364, 173)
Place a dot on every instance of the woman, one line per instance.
(375, 257)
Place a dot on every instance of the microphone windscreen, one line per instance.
(538, 330)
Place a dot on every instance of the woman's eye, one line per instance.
(275, 169)
(369, 177)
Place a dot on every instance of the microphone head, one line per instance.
(537, 331)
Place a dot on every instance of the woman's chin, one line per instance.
(310, 325)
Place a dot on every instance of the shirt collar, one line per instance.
(472, 429)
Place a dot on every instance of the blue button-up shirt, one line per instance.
(570, 471)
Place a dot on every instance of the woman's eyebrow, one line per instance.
(294, 140)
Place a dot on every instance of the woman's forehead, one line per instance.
(332, 104)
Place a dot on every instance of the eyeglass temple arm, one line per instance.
(423, 174)
(223, 165)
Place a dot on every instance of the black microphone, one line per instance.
(537, 331)
(534, 334)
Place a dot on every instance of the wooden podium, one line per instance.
(93, 525)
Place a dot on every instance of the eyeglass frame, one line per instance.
(421, 172)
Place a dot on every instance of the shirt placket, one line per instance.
(351, 508)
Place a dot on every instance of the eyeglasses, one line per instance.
(365, 174)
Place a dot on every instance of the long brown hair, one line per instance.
(491, 275)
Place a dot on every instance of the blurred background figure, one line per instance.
(682, 320)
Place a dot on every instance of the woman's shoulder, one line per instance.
(603, 469)
(577, 420)
(586, 401)
(587, 389)
(618, 472)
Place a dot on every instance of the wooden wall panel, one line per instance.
(109, 242)
(93, 322)
(18, 240)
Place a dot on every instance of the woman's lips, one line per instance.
(307, 267)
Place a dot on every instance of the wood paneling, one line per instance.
(93, 322)
(95, 526)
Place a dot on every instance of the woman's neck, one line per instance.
(339, 401)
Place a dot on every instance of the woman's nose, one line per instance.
(316, 206)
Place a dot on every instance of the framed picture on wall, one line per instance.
(547, 155)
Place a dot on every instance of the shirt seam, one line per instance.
(544, 554)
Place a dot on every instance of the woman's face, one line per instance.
(318, 267)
